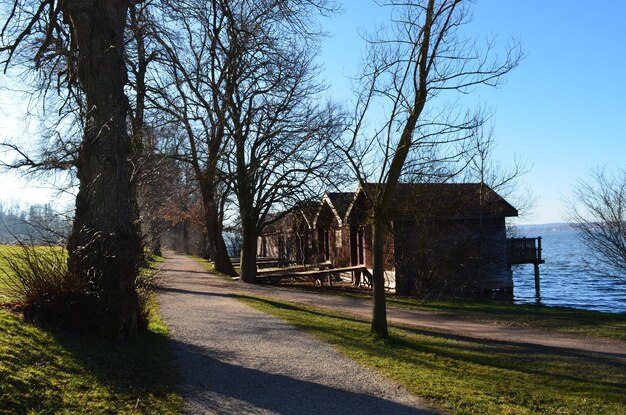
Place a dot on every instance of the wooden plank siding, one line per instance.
(453, 256)
(524, 251)
(441, 237)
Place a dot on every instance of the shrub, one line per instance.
(36, 279)
(37, 282)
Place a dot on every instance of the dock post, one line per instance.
(537, 282)
(537, 262)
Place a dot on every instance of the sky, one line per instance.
(563, 109)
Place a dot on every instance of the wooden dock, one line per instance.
(315, 274)
(526, 251)
(294, 268)
(262, 263)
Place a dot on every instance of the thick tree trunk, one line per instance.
(249, 235)
(216, 243)
(379, 310)
(247, 215)
(248, 256)
(104, 246)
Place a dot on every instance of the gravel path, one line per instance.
(467, 328)
(236, 360)
(442, 323)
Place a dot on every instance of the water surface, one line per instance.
(570, 277)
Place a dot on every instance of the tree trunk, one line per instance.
(248, 255)
(105, 245)
(379, 310)
(249, 235)
(216, 243)
(247, 215)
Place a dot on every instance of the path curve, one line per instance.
(441, 323)
(237, 360)
(362, 308)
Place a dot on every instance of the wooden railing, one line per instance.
(524, 251)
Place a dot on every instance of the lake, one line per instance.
(570, 277)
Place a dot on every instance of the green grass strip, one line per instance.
(537, 316)
(569, 320)
(463, 375)
(55, 372)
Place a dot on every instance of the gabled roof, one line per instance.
(309, 211)
(306, 210)
(449, 200)
(341, 202)
(440, 200)
(338, 202)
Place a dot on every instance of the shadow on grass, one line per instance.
(500, 370)
(136, 369)
(561, 318)
(49, 370)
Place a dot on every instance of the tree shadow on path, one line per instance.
(217, 384)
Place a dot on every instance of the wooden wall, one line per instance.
(458, 256)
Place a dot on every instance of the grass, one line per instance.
(209, 267)
(45, 371)
(463, 375)
(562, 319)
(3, 268)
(568, 320)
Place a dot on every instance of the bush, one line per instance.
(38, 284)
(32, 273)
(36, 279)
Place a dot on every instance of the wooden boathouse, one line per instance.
(441, 237)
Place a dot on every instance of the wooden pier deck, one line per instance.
(526, 251)
(316, 274)
(267, 262)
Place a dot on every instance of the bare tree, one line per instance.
(598, 211)
(238, 80)
(281, 135)
(503, 178)
(188, 91)
(87, 38)
(155, 174)
(419, 61)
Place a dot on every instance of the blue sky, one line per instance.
(563, 109)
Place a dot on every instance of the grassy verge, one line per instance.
(208, 265)
(50, 371)
(568, 320)
(470, 376)
(3, 268)
(533, 316)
